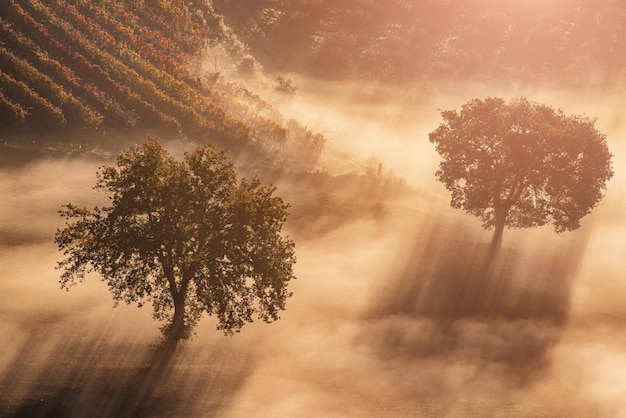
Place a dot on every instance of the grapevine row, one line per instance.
(94, 71)
(75, 111)
(10, 113)
(48, 115)
(26, 48)
(145, 88)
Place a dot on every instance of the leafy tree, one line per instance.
(285, 85)
(187, 236)
(521, 164)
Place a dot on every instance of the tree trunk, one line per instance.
(177, 329)
(496, 240)
(165, 352)
(159, 363)
(501, 214)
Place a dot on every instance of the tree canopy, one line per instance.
(188, 236)
(521, 164)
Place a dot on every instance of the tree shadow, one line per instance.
(449, 298)
(42, 409)
(100, 379)
(138, 399)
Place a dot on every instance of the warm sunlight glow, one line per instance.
(349, 208)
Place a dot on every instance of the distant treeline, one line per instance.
(572, 41)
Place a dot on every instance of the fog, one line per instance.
(389, 316)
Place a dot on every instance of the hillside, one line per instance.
(569, 42)
(76, 74)
(98, 74)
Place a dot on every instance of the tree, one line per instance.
(187, 236)
(521, 164)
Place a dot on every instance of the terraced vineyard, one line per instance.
(100, 66)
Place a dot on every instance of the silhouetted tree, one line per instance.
(187, 236)
(521, 164)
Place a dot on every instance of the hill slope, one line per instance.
(97, 71)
